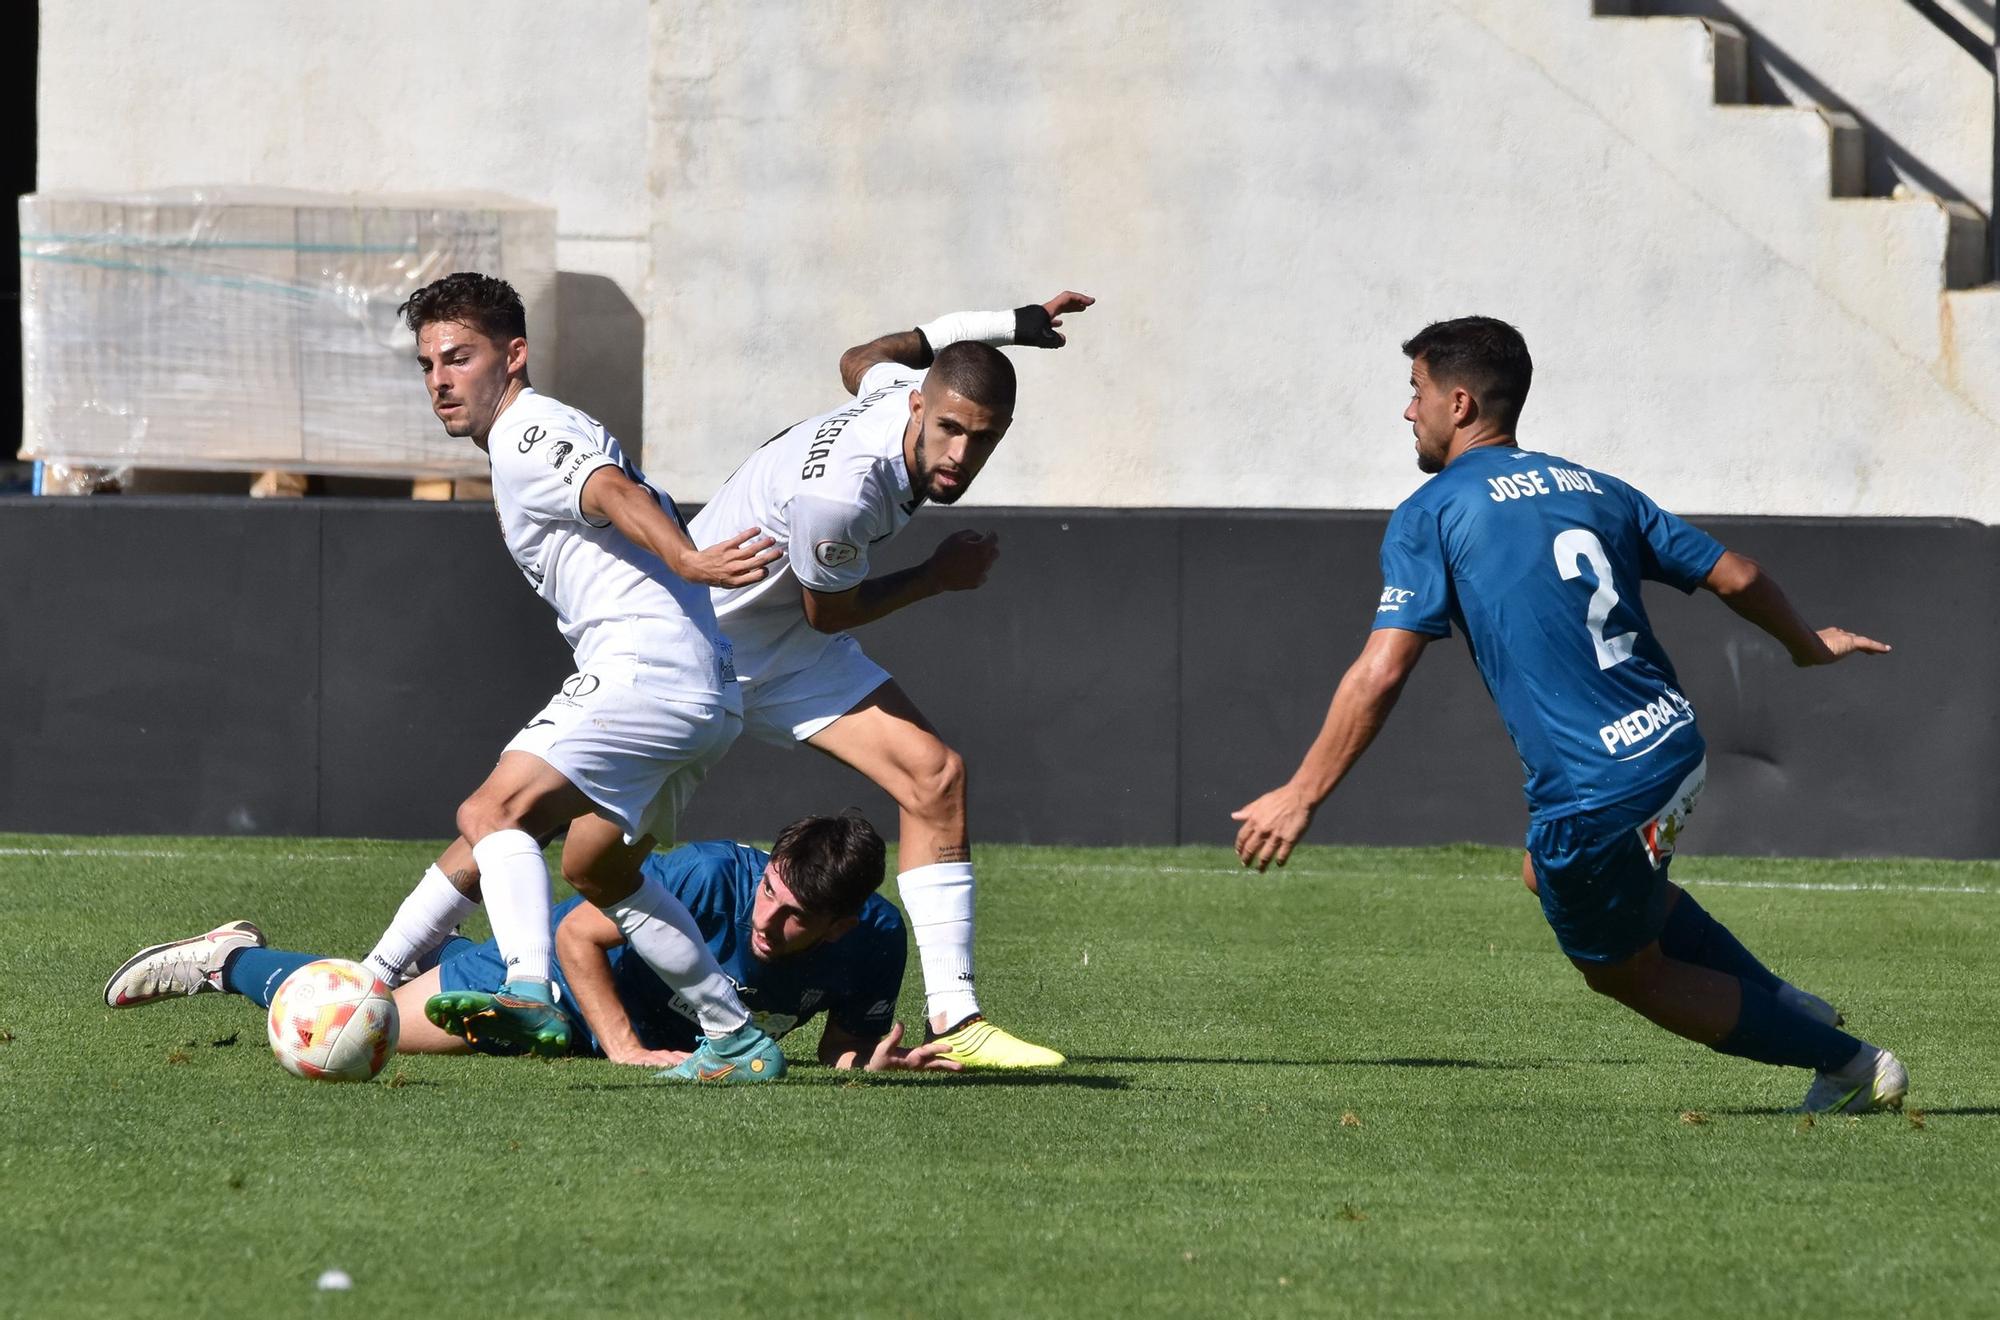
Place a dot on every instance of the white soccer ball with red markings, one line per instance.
(333, 1021)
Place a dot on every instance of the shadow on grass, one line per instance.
(860, 1081)
(1495, 1065)
(1792, 1111)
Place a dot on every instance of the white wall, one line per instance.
(1267, 197)
(544, 102)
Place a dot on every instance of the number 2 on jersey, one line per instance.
(1573, 548)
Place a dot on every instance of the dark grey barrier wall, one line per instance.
(352, 668)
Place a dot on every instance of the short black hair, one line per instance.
(979, 372)
(488, 305)
(830, 863)
(1483, 355)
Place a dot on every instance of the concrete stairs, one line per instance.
(1912, 267)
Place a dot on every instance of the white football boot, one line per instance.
(1873, 1079)
(191, 966)
(1804, 1001)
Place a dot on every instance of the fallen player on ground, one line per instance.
(800, 930)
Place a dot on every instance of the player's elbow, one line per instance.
(1733, 575)
(1380, 678)
(854, 364)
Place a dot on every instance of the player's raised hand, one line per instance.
(737, 562)
(888, 1058)
(1271, 827)
(1840, 644)
(963, 559)
(1050, 335)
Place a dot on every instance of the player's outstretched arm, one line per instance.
(1273, 825)
(838, 1049)
(1034, 325)
(584, 940)
(610, 496)
(1743, 585)
(960, 563)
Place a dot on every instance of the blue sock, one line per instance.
(1769, 1032)
(1692, 936)
(256, 974)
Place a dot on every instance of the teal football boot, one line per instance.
(519, 1018)
(745, 1055)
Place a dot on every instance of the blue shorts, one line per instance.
(1602, 876)
(463, 965)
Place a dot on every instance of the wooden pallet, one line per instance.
(277, 483)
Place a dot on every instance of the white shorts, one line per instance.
(1659, 835)
(791, 708)
(637, 752)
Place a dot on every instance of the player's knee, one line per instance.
(472, 820)
(580, 878)
(939, 788)
(481, 815)
(1612, 980)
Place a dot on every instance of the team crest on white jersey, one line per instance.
(832, 554)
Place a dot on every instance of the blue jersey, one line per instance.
(854, 980)
(1538, 561)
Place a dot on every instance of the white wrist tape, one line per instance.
(986, 327)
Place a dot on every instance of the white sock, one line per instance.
(938, 899)
(421, 924)
(515, 881)
(660, 931)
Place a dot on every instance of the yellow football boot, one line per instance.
(977, 1043)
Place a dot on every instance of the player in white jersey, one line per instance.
(930, 406)
(620, 748)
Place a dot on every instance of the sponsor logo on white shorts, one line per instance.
(1662, 832)
(832, 554)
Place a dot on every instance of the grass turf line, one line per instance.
(1367, 1085)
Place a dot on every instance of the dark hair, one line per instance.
(830, 863)
(979, 372)
(488, 305)
(1485, 356)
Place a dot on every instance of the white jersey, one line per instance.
(827, 491)
(614, 601)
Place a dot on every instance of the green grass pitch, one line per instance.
(1367, 1085)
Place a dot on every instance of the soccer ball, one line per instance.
(332, 1021)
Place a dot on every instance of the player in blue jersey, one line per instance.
(800, 931)
(1538, 561)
